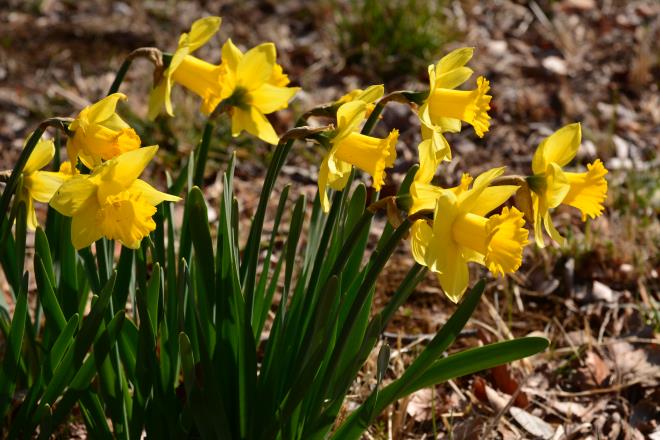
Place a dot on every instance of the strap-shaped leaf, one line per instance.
(12, 356)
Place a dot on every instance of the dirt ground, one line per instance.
(550, 63)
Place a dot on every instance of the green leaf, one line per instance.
(476, 359)
(21, 234)
(54, 316)
(203, 153)
(12, 356)
(42, 249)
(201, 238)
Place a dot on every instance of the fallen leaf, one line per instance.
(420, 405)
(532, 424)
(597, 367)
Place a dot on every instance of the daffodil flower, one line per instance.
(100, 134)
(253, 85)
(551, 186)
(460, 233)
(349, 147)
(40, 185)
(445, 107)
(200, 33)
(111, 202)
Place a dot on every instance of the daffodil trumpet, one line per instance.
(348, 147)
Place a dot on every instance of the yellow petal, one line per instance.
(31, 214)
(178, 57)
(349, 116)
(201, 31)
(453, 78)
(255, 123)
(41, 155)
(468, 199)
(85, 228)
(371, 93)
(150, 194)
(42, 185)
(124, 169)
(268, 98)
(424, 196)
(231, 55)
(559, 148)
(557, 185)
(588, 190)
(492, 197)
(73, 194)
(159, 98)
(104, 109)
(420, 239)
(323, 185)
(540, 210)
(454, 276)
(338, 173)
(256, 66)
(427, 162)
(554, 234)
(455, 59)
(444, 249)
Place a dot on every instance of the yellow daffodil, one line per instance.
(201, 31)
(349, 147)
(460, 233)
(445, 107)
(111, 202)
(40, 185)
(253, 85)
(100, 134)
(551, 186)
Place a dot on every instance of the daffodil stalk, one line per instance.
(152, 54)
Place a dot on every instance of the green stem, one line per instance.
(202, 154)
(151, 53)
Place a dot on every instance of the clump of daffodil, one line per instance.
(200, 33)
(350, 148)
(445, 108)
(100, 134)
(551, 186)
(460, 233)
(40, 185)
(111, 202)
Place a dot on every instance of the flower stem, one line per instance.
(150, 53)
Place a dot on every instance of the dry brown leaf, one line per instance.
(597, 367)
(420, 406)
